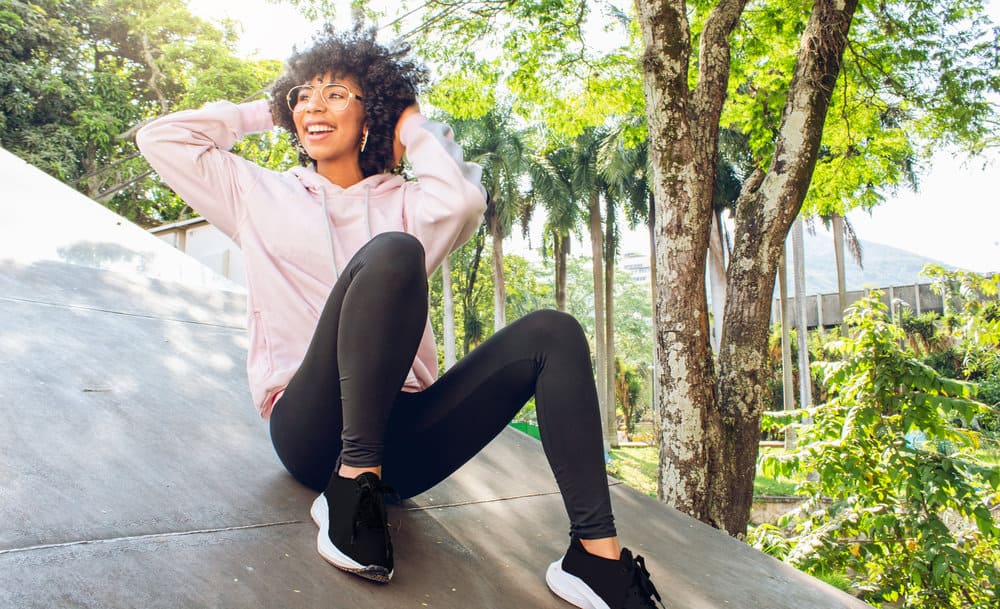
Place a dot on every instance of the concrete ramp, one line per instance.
(134, 472)
(43, 219)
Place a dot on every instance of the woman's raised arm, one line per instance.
(190, 151)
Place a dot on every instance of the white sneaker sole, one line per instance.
(320, 513)
(571, 588)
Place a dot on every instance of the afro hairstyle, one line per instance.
(389, 84)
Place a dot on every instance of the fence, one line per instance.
(825, 308)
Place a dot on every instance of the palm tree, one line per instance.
(624, 184)
(448, 298)
(799, 287)
(499, 148)
(844, 237)
(589, 187)
(552, 188)
(568, 183)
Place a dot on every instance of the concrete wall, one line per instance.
(919, 298)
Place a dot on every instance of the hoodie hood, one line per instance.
(359, 202)
(372, 186)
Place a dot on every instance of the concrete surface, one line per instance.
(134, 472)
(43, 219)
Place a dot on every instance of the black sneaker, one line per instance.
(593, 582)
(353, 528)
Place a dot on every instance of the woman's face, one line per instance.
(329, 134)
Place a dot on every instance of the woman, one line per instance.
(342, 359)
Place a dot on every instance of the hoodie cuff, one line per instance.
(256, 116)
(412, 123)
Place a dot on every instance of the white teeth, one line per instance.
(320, 129)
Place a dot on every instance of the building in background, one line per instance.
(205, 243)
(636, 265)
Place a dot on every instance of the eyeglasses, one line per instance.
(334, 96)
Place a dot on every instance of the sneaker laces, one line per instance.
(371, 508)
(647, 590)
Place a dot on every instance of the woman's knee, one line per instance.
(398, 246)
(554, 327)
(395, 252)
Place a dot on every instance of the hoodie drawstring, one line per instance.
(329, 234)
(368, 210)
(329, 226)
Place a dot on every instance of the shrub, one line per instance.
(896, 503)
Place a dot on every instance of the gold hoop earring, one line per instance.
(364, 140)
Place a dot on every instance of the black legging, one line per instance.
(344, 402)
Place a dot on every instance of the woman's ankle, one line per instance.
(349, 471)
(606, 547)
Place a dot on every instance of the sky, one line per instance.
(953, 218)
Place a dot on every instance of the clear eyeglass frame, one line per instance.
(334, 96)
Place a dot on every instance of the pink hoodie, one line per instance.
(297, 230)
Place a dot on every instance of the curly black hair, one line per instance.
(389, 84)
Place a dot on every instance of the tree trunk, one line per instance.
(763, 218)
(449, 314)
(801, 325)
(560, 246)
(787, 384)
(717, 279)
(838, 252)
(609, 334)
(468, 296)
(499, 286)
(601, 352)
(155, 75)
(655, 405)
(683, 144)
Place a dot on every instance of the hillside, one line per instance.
(883, 266)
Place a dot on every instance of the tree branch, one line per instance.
(107, 194)
(155, 74)
(714, 63)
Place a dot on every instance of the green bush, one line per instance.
(897, 505)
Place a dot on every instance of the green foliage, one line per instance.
(628, 385)
(817, 342)
(472, 285)
(908, 516)
(973, 302)
(499, 148)
(569, 64)
(75, 77)
(915, 75)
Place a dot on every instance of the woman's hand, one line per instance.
(398, 150)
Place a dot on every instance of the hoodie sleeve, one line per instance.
(450, 198)
(190, 151)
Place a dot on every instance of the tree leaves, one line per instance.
(76, 77)
(909, 516)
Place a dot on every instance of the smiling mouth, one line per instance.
(315, 132)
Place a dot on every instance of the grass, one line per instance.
(527, 428)
(636, 467)
(769, 487)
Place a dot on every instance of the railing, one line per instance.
(918, 297)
